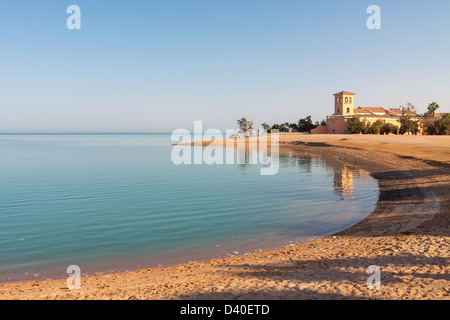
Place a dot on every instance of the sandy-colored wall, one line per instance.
(320, 130)
(337, 126)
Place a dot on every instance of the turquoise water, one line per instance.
(116, 202)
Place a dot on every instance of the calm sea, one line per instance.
(117, 202)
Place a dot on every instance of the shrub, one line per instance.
(375, 127)
(442, 125)
(355, 125)
(388, 128)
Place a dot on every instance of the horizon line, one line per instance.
(81, 133)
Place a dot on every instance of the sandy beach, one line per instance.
(407, 236)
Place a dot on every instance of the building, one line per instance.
(344, 110)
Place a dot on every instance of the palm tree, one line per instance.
(243, 125)
(250, 127)
(432, 107)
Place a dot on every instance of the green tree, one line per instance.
(250, 127)
(355, 125)
(431, 129)
(407, 124)
(245, 126)
(284, 127)
(375, 127)
(442, 125)
(280, 128)
(428, 120)
(293, 127)
(388, 128)
(265, 126)
(432, 107)
(305, 124)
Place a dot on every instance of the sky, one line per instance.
(159, 65)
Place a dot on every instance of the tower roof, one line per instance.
(344, 93)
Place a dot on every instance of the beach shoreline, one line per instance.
(407, 236)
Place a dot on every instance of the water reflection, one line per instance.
(125, 201)
(344, 175)
(343, 182)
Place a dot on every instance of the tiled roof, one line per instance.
(395, 112)
(361, 111)
(344, 93)
(375, 109)
(399, 113)
(378, 111)
(370, 111)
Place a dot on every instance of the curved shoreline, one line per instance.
(241, 249)
(244, 247)
(402, 241)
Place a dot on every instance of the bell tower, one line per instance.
(343, 103)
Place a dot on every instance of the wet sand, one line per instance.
(407, 236)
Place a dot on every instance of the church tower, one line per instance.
(343, 103)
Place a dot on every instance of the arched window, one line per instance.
(339, 110)
(348, 110)
(350, 99)
(346, 100)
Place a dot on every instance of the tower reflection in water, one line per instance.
(343, 181)
(344, 175)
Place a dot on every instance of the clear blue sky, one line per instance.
(158, 65)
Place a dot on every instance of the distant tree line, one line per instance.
(410, 123)
(302, 125)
